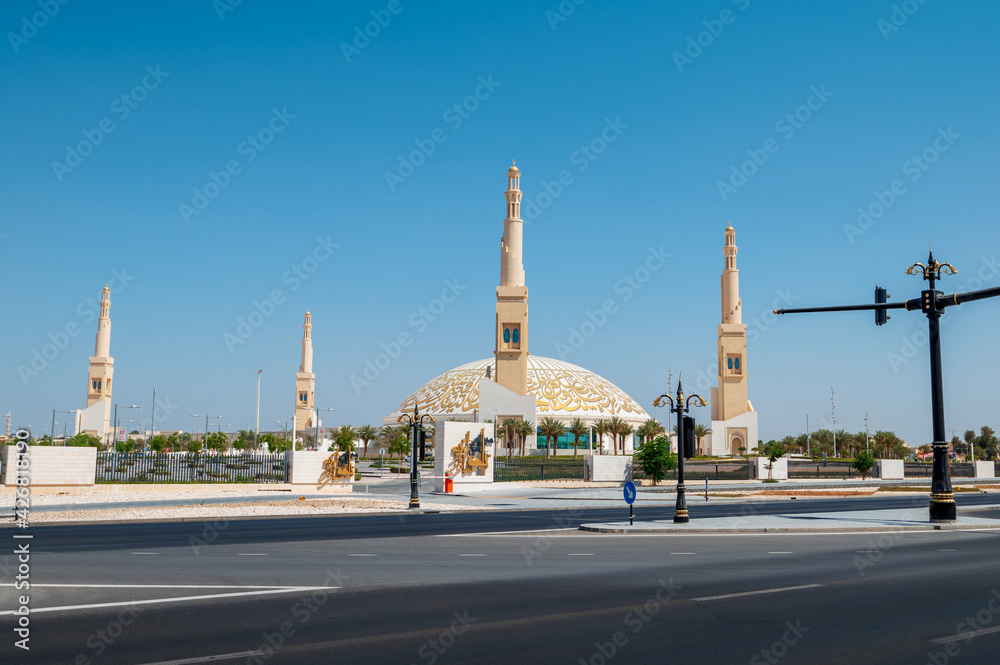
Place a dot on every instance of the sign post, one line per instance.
(381, 468)
(629, 491)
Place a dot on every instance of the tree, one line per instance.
(616, 428)
(649, 430)
(523, 430)
(987, 442)
(655, 458)
(367, 434)
(194, 446)
(600, 429)
(577, 427)
(551, 429)
(864, 462)
(158, 443)
(700, 432)
(399, 446)
(508, 430)
(84, 440)
(345, 440)
(773, 452)
(216, 441)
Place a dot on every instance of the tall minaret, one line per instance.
(731, 397)
(511, 349)
(102, 365)
(305, 381)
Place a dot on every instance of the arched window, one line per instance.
(730, 363)
(737, 364)
(506, 335)
(517, 336)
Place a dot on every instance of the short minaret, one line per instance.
(305, 381)
(729, 400)
(511, 347)
(102, 366)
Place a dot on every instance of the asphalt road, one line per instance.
(521, 587)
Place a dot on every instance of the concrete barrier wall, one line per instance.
(985, 470)
(607, 468)
(890, 469)
(780, 471)
(53, 466)
(306, 470)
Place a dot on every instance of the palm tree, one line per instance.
(508, 429)
(600, 429)
(649, 430)
(625, 430)
(523, 429)
(577, 427)
(700, 431)
(367, 434)
(551, 429)
(615, 428)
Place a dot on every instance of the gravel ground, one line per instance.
(87, 495)
(214, 511)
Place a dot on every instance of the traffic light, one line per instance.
(688, 438)
(881, 315)
(423, 445)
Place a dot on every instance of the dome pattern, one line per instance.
(562, 391)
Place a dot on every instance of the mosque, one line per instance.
(488, 388)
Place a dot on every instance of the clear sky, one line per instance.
(203, 156)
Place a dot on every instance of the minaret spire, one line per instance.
(305, 381)
(511, 345)
(307, 345)
(102, 344)
(732, 310)
(102, 370)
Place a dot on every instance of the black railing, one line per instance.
(538, 468)
(829, 470)
(191, 468)
(735, 470)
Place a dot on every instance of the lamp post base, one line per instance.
(680, 511)
(943, 508)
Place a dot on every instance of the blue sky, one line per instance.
(275, 124)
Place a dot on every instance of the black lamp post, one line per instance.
(679, 406)
(932, 303)
(415, 421)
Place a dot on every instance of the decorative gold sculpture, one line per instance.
(465, 460)
(337, 467)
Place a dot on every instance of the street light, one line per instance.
(256, 428)
(415, 421)
(931, 303)
(680, 407)
(195, 415)
(53, 435)
(114, 440)
(316, 436)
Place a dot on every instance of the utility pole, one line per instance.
(256, 429)
(833, 404)
(866, 430)
(152, 419)
(808, 451)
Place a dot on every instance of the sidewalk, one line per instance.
(907, 519)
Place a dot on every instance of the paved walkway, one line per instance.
(908, 519)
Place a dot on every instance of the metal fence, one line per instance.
(828, 470)
(723, 470)
(537, 468)
(191, 468)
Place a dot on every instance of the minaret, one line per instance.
(102, 365)
(730, 398)
(305, 381)
(511, 347)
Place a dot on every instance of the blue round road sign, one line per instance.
(629, 491)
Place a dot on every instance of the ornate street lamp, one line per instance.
(415, 421)
(932, 303)
(679, 406)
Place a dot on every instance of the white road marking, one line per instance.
(947, 550)
(207, 659)
(362, 555)
(170, 600)
(166, 586)
(680, 553)
(781, 552)
(757, 593)
(472, 555)
(579, 554)
(529, 532)
(154, 553)
(251, 554)
(967, 635)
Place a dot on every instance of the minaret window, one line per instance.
(97, 385)
(506, 336)
(733, 365)
(303, 397)
(516, 338)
